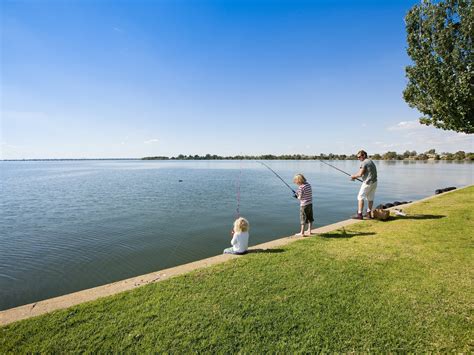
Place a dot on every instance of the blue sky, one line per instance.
(85, 79)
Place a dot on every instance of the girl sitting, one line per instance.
(240, 237)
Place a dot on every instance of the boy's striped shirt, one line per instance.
(305, 194)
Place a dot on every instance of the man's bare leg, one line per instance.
(371, 204)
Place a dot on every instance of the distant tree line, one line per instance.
(407, 155)
(428, 155)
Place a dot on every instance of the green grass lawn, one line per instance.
(401, 285)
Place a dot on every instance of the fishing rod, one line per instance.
(278, 176)
(342, 171)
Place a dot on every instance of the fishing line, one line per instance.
(278, 176)
(178, 245)
(342, 171)
(239, 179)
(238, 185)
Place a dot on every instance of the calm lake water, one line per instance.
(67, 226)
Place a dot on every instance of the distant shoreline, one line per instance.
(390, 155)
(430, 155)
(228, 159)
(70, 159)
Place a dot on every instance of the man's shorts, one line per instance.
(367, 191)
(306, 214)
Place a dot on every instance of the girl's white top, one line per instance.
(240, 242)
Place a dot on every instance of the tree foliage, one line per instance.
(441, 80)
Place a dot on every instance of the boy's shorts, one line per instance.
(306, 214)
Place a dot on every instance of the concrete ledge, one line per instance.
(72, 299)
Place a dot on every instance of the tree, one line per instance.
(421, 156)
(449, 156)
(460, 155)
(390, 156)
(441, 79)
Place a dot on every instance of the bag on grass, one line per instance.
(380, 214)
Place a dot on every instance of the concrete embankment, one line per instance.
(61, 302)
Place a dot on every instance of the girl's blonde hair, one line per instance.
(241, 225)
(299, 178)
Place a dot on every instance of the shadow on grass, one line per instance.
(345, 234)
(415, 216)
(269, 251)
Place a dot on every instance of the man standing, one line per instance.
(368, 173)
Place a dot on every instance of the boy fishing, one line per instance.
(305, 195)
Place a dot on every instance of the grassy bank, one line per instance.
(400, 285)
